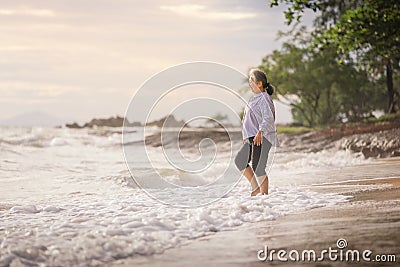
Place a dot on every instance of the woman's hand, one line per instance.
(258, 138)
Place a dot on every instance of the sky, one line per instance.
(77, 60)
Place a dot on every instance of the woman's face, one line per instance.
(255, 86)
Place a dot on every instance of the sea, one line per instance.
(69, 197)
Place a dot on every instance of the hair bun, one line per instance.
(269, 88)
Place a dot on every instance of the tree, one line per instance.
(330, 10)
(372, 33)
(319, 89)
(364, 31)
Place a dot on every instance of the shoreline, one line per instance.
(241, 241)
(370, 220)
(374, 144)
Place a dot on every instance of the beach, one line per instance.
(370, 220)
(130, 132)
(67, 198)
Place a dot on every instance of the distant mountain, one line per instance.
(36, 118)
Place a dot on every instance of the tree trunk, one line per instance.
(392, 107)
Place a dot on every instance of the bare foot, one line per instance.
(264, 186)
(255, 192)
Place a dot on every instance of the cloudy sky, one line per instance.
(78, 59)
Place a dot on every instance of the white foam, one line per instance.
(105, 228)
(46, 137)
(71, 207)
(59, 142)
(25, 209)
(326, 158)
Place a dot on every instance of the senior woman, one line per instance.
(259, 133)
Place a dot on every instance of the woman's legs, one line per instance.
(259, 157)
(242, 160)
(259, 163)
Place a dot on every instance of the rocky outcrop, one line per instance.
(73, 125)
(168, 121)
(109, 122)
(374, 145)
(380, 144)
(378, 140)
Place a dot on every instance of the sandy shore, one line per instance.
(370, 220)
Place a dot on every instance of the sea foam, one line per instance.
(106, 228)
(75, 204)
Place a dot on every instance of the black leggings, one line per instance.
(257, 154)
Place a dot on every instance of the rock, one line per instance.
(374, 145)
(73, 125)
(378, 144)
(168, 121)
(369, 152)
(396, 153)
(109, 122)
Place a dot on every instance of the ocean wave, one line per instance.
(104, 229)
(41, 137)
(80, 206)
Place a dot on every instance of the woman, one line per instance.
(259, 132)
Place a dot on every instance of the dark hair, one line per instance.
(260, 76)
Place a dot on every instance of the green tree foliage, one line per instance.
(319, 89)
(330, 11)
(372, 33)
(366, 32)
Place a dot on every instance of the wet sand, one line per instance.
(370, 220)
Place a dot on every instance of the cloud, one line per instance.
(15, 48)
(74, 58)
(201, 11)
(16, 90)
(28, 12)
